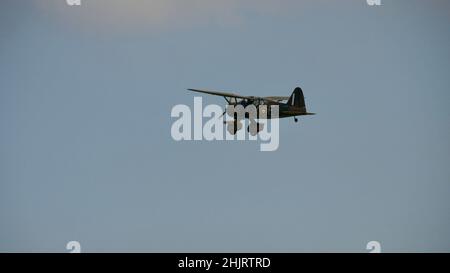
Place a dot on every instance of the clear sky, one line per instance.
(86, 152)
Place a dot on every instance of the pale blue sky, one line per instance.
(85, 146)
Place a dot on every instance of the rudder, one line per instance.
(297, 99)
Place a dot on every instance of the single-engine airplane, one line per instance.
(292, 106)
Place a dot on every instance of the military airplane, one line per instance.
(291, 106)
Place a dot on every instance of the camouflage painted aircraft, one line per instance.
(292, 106)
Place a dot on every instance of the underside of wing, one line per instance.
(219, 93)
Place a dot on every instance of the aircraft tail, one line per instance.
(297, 99)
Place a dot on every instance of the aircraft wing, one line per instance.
(276, 98)
(218, 93)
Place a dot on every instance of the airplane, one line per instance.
(295, 106)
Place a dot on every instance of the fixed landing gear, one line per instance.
(254, 128)
(233, 126)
